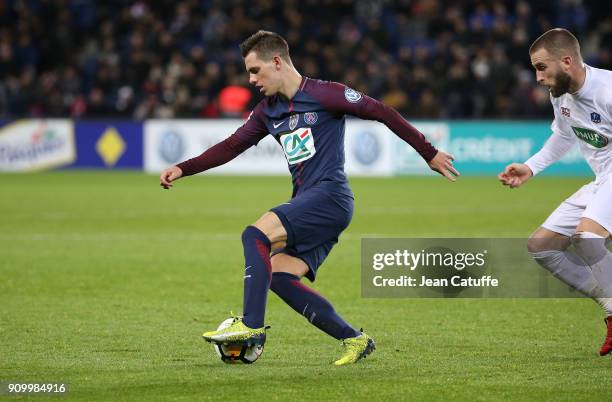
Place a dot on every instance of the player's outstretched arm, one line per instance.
(342, 99)
(443, 164)
(169, 175)
(515, 174)
(248, 135)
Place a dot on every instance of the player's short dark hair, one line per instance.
(558, 42)
(267, 45)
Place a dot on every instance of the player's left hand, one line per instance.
(443, 164)
(169, 175)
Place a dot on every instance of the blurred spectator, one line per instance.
(96, 104)
(143, 59)
(233, 101)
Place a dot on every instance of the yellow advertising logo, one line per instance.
(110, 146)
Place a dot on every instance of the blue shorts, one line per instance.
(313, 221)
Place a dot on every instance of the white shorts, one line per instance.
(593, 201)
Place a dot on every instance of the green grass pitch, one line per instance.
(108, 281)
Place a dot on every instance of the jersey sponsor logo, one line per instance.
(565, 111)
(311, 118)
(293, 121)
(351, 95)
(277, 125)
(595, 118)
(591, 137)
(298, 145)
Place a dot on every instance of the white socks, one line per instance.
(589, 270)
(571, 271)
(592, 249)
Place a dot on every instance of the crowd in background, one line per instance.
(165, 58)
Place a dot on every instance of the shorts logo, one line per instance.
(298, 145)
(311, 118)
(351, 95)
(293, 121)
(591, 137)
(595, 118)
(565, 111)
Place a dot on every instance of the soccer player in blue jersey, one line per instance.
(307, 118)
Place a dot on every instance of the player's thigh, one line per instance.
(272, 227)
(597, 217)
(544, 239)
(285, 263)
(589, 225)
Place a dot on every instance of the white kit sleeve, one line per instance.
(553, 150)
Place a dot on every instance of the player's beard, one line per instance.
(562, 83)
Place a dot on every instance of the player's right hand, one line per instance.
(169, 175)
(515, 174)
(443, 164)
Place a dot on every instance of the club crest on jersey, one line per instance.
(565, 111)
(311, 118)
(591, 137)
(293, 121)
(595, 118)
(351, 95)
(298, 145)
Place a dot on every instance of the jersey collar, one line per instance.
(303, 83)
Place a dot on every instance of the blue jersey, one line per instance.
(310, 133)
(310, 129)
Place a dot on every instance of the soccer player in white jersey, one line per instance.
(581, 97)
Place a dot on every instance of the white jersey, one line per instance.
(584, 116)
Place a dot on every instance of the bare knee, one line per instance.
(544, 240)
(537, 244)
(289, 264)
(271, 226)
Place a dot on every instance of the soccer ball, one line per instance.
(232, 353)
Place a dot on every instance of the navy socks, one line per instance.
(257, 276)
(317, 310)
(258, 279)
